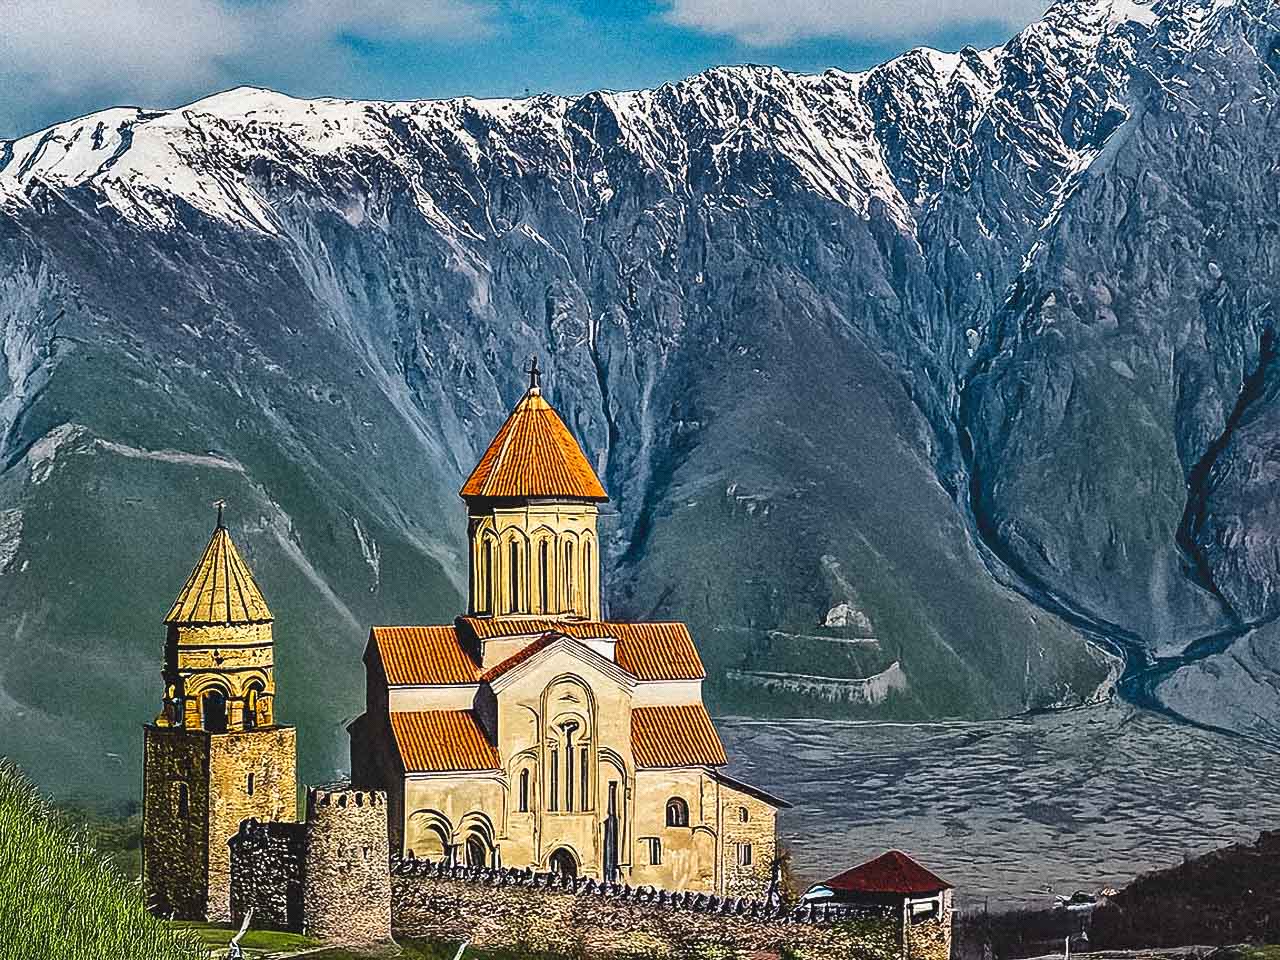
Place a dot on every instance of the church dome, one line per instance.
(220, 589)
(534, 456)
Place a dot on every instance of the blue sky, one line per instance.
(62, 58)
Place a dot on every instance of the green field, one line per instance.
(61, 899)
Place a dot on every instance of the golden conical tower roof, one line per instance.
(534, 455)
(221, 588)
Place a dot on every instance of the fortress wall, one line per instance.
(346, 882)
(267, 861)
(538, 912)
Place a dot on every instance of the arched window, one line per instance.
(214, 709)
(569, 605)
(677, 812)
(554, 792)
(484, 602)
(524, 790)
(248, 786)
(184, 800)
(586, 577)
(743, 814)
(251, 705)
(513, 572)
(544, 576)
(569, 728)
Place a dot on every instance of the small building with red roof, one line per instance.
(893, 879)
(531, 731)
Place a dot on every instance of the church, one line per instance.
(532, 733)
(528, 733)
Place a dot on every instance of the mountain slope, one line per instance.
(919, 392)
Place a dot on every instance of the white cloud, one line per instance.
(768, 23)
(157, 52)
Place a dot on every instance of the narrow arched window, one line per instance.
(524, 791)
(568, 767)
(554, 792)
(586, 777)
(514, 577)
(587, 579)
(743, 815)
(485, 599)
(544, 575)
(568, 577)
(184, 800)
(249, 785)
(251, 706)
(677, 812)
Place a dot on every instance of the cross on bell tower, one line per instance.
(535, 375)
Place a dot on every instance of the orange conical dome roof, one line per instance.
(534, 455)
(220, 589)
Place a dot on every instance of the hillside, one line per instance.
(932, 390)
(60, 899)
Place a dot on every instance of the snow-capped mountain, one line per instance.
(967, 358)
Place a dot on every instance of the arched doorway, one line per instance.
(564, 864)
(477, 851)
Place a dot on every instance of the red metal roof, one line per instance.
(661, 650)
(892, 872)
(426, 655)
(534, 455)
(681, 736)
(441, 741)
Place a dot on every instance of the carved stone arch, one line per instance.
(429, 835)
(514, 563)
(488, 564)
(569, 738)
(475, 839)
(247, 679)
(543, 568)
(558, 847)
(568, 566)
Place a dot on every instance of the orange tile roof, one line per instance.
(661, 650)
(680, 736)
(428, 655)
(519, 657)
(220, 589)
(534, 455)
(441, 741)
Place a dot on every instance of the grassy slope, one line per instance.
(62, 900)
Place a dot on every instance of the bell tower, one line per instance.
(215, 754)
(532, 505)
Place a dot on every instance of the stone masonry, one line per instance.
(346, 881)
(267, 860)
(586, 918)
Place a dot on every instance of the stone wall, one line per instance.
(750, 824)
(590, 919)
(270, 757)
(173, 832)
(267, 860)
(346, 883)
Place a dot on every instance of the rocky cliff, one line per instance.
(961, 370)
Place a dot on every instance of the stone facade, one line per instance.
(749, 843)
(266, 873)
(585, 918)
(175, 804)
(346, 883)
(185, 858)
(214, 756)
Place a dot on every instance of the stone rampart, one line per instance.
(585, 917)
(267, 861)
(346, 884)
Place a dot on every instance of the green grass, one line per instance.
(255, 942)
(61, 899)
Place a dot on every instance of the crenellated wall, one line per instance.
(542, 911)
